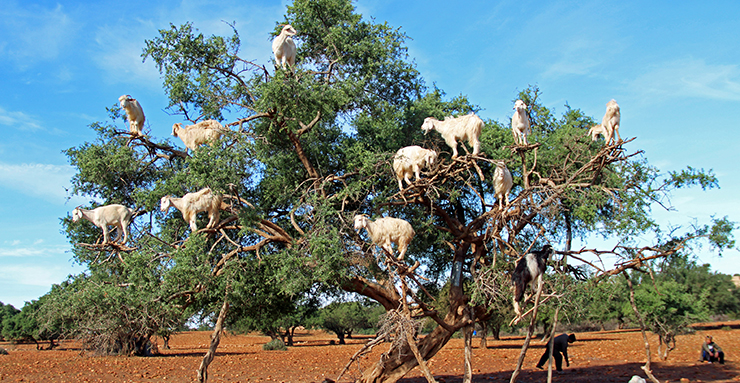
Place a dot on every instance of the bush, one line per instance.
(275, 344)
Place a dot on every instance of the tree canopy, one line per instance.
(306, 149)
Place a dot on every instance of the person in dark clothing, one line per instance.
(711, 352)
(559, 345)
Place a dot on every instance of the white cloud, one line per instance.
(40, 180)
(689, 77)
(30, 251)
(574, 57)
(33, 274)
(19, 120)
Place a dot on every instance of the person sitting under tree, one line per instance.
(559, 345)
(711, 352)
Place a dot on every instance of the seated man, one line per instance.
(711, 352)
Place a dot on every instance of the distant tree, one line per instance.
(6, 313)
(24, 326)
(606, 301)
(668, 308)
(344, 318)
(714, 289)
(259, 303)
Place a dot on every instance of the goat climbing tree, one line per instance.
(307, 148)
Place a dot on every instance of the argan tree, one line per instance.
(307, 148)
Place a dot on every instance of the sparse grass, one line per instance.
(275, 344)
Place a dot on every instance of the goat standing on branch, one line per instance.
(502, 183)
(134, 113)
(110, 215)
(284, 48)
(452, 129)
(193, 203)
(520, 124)
(385, 231)
(410, 160)
(597, 130)
(196, 135)
(609, 124)
(530, 267)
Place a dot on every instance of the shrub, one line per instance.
(275, 344)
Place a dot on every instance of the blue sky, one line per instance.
(672, 66)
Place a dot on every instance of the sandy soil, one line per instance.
(595, 357)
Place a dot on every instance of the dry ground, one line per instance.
(596, 357)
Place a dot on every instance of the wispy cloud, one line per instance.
(689, 77)
(574, 57)
(36, 251)
(40, 180)
(119, 45)
(33, 275)
(19, 120)
(35, 33)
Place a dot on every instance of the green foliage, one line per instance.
(7, 312)
(691, 176)
(345, 318)
(24, 325)
(192, 63)
(275, 344)
(713, 290)
(668, 307)
(720, 233)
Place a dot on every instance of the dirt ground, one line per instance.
(596, 357)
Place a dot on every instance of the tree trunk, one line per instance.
(468, 374)
(530, 331)
(215, 340)
(391, 368)
(646, 368)
(568, 237)
(496, 331)
(289, 336)
(483, 334)
(395, 366)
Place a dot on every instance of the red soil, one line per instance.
(595, 357)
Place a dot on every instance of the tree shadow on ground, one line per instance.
(620, 373)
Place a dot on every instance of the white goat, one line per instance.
(387, 230)
(502, 183)
(193, 203)
(110, 215)
(452, 129)
(196, 135)
(284, 48)
(610, 122)
(134, 113)
(597, 130)
(410, 160)
(520, 125)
